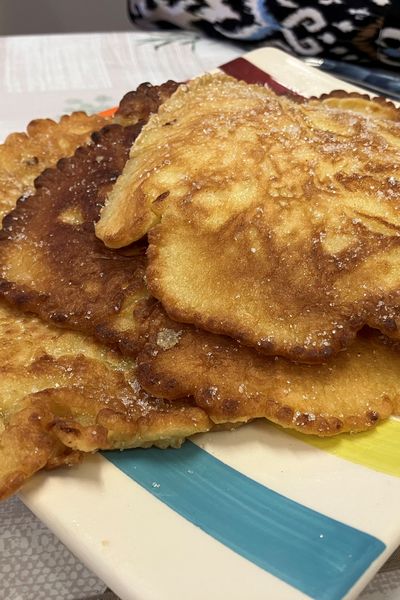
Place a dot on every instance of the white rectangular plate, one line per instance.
(255, 513)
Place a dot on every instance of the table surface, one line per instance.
(45, 76)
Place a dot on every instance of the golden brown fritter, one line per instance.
(353, 391)
(137, 105)
(271, 221)
(134, 203)
(26, 447)
(52, 264)
(23, 156)
(61, 393)
(376, 107)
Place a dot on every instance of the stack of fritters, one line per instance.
(273, 238)
(275, 223)
(62, 392)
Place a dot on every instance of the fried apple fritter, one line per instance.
(52, 264)
(61, 393)
(353, 391)
(23, 156)
(274, 222)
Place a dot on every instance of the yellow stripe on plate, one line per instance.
(378, 449)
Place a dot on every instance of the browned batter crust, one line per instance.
(353, 391)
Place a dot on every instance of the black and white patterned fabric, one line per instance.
(358, 31)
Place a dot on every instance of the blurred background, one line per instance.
(18, 17)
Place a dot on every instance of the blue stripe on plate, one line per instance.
(314, 553)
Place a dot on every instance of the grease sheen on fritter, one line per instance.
(272, 221)
(353, 391)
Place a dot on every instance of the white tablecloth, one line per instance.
(46, 76)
